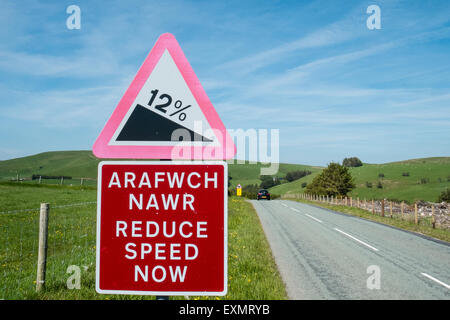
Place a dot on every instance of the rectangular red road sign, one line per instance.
(162, 228)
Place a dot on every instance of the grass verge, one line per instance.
(424, 227)
(251, 269)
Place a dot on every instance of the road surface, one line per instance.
(327, 255)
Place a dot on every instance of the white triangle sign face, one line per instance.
(165, 114)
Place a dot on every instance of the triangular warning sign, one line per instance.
(165, 113)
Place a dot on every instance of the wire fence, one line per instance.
(54, 207)
(71, 241)
(54, 180)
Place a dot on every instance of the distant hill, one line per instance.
(83, 164)
(68, 163)
(409, 180)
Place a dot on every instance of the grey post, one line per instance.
(42, 253)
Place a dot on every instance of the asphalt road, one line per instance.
(326, 255)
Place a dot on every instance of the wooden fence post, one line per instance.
(390, 208)
(433, 218)
(416, 217)
(382, 207)
(401, 208)
(351, 202)
(373, 207)
(42, 251)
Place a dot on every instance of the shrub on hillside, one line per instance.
(352, 162)
(304, 184)
(37, 176)
(379, 185)
(268, 182)
(381, 175)
(295, 175)
(405, 174)
(445, 196)
(368, 184)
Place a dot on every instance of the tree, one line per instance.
(352, 162)
(335, 180)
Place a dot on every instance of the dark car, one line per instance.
(263, 194)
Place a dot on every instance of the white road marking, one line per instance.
(294, 209)
(284, 204)
(435, 280)
(313, 218)
(352, 237)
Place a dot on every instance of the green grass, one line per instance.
(252, 271)
(407, 188)
(19, 196)
(423, 227)
(436, 171)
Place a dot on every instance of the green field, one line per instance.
(426, 179)
(83, 164)
(251, 269)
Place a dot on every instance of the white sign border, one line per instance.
(225, 224)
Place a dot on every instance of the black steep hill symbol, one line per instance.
(146, 125)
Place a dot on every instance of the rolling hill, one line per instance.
(83, 164)
(410, 180)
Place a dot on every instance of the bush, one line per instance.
(304, 184)
(381, 175)
(379, 185)
(268, 182)
(352, 162)
(445, 196)
(368, 184)
(424, 180)
(405, 174)
(295, 175)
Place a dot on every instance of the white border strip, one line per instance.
(435, 280)
(352, 237)
(225, 227)
(313, 218)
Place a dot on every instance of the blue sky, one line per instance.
(311, 69)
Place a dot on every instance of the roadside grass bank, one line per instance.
(424, 226)
(72, 239)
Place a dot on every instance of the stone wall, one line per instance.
(402, 210)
